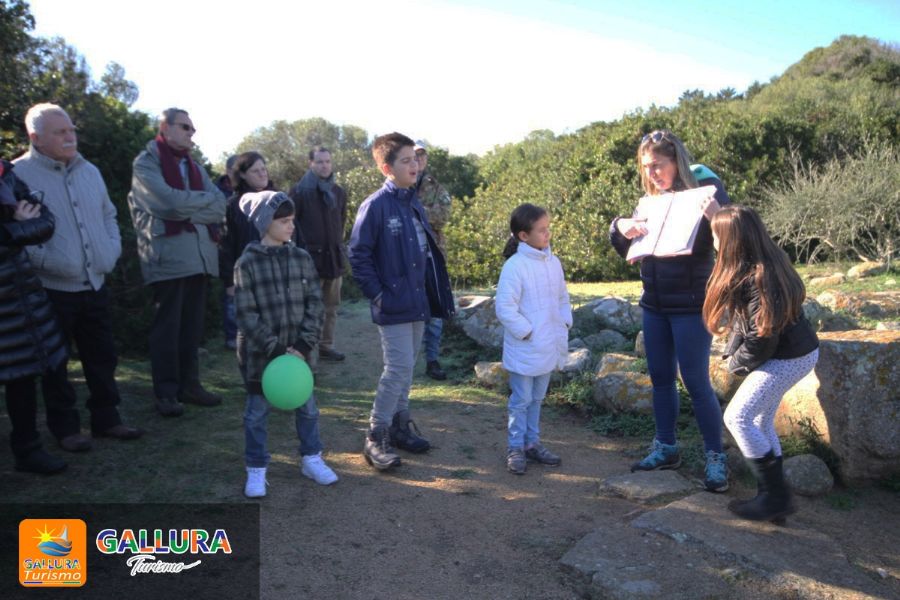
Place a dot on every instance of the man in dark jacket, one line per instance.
(321, 213)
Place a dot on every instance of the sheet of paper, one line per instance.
(672, 223)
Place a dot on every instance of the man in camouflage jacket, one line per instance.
(436, 201)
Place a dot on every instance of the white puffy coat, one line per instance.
(532, 301)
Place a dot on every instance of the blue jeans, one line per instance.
(229, 317)
(256, 415)
(525, 408)
(432, 338)
(681, 341)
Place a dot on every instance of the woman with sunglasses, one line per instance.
(674, 288)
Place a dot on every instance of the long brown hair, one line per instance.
(748, 254)
(663, 142)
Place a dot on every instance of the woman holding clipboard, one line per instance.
(674, 288)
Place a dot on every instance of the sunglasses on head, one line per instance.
(654, 137)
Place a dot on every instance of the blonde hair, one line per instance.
(663, 142)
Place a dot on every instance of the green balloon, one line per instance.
(287, 382)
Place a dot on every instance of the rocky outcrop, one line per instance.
(619, 387)
(852, 398)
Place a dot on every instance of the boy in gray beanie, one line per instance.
(279, 311)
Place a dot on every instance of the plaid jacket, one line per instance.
(279, 304)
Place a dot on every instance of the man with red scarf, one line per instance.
(177, 212)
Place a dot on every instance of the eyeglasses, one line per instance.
(186, 127)
(654, 136)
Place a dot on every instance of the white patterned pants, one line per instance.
(750, 416)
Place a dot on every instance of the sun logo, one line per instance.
(54, 545)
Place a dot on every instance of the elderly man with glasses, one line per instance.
(177, 212)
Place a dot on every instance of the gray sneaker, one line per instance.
(515, 461)
(539, 454)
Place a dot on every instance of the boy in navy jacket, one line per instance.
(398, 265)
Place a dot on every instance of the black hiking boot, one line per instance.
(773, 499)
(378, 450)
(406, 435)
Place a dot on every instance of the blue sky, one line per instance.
(464, 74)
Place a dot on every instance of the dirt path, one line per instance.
(448, 524)
(453, 523)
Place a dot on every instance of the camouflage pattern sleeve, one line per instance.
(436, 201)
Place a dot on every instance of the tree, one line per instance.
(16, 46)
(114, 85)
(286, 146)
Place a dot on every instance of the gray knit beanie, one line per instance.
(260, 207)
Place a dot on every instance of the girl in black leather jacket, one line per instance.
(755, 290)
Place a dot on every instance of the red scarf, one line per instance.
(170, 162)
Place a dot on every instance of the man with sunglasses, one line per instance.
(177, 212)
(72, 266)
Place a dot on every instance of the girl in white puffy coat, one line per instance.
(532, 303)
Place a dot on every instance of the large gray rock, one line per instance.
(606, 340)
(647, 486)
(618, 387)
(619, 314)
(852, 399)
(619, 562)
(624, 392)
(808, 475)
(888, 326)
(481, 324)
(577, 362)
(802, 563)
(491, 374)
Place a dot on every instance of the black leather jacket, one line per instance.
(747, 350)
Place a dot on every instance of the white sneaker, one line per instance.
(315, 468)
(256, 482)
